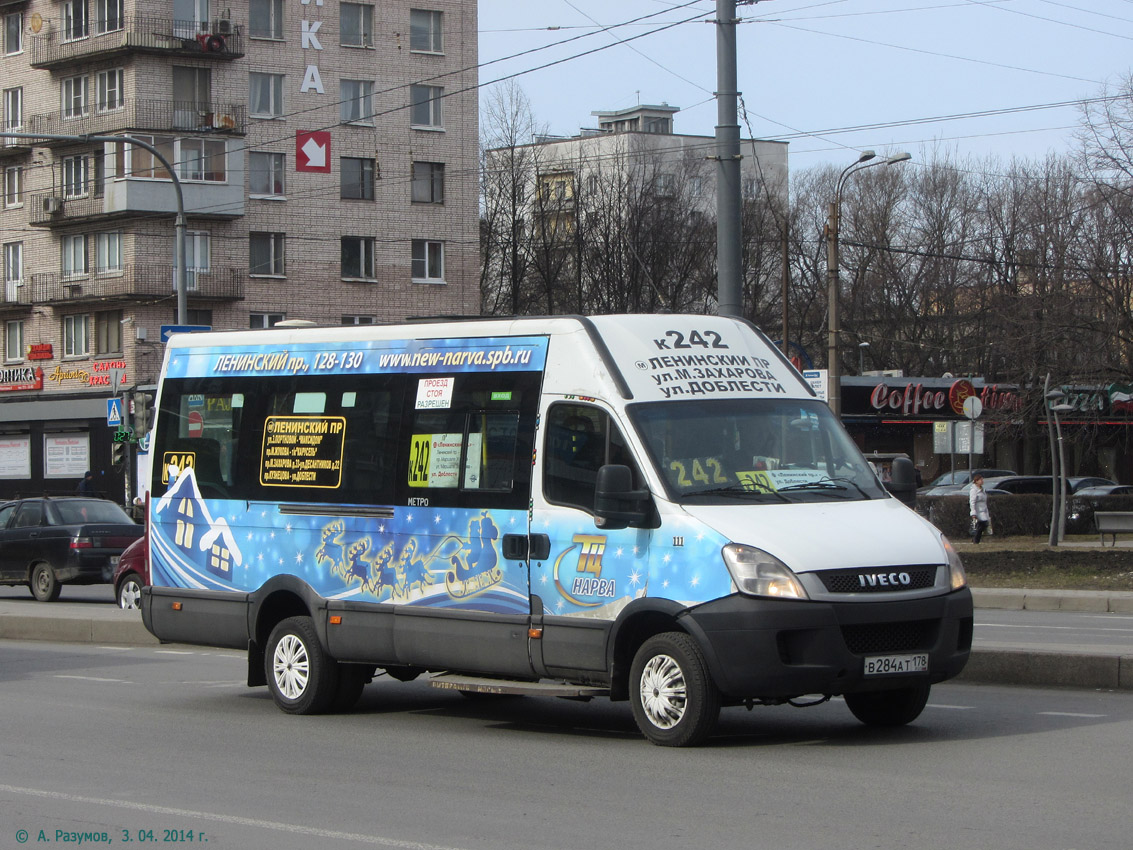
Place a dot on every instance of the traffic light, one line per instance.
(118, 455)
(143, 411)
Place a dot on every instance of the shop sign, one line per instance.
(40, 351)
(102, 374)
(915, 399)
(21, 378)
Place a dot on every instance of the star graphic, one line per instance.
(634, 578)
(298, 557)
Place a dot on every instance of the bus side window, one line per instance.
(579, 440)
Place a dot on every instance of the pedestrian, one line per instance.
(86, 486)
(977, 503)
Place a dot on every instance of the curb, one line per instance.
(997, 666)
(1049, 669)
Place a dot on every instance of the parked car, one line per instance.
(958, 478)
(46, 543)
(132, 574)
(1019, 484)
(1081, 505)
(1076, 484)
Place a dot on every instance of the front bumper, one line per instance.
(774, 649)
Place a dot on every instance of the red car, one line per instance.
(132, 574)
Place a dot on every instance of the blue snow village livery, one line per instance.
(647, 508)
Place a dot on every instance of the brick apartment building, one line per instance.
(327, 157)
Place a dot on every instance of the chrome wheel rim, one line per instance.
(130, 596)
(664, 694)
(292, 667)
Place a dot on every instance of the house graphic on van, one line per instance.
(202, 540)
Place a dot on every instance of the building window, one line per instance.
(426, 106)
(13, 270)
(428, 182)
(428, 260)
(108, 332)
(192, 96)
(75, 20)
(266, 19)
(358, 257)
(265, 174)
(198, 251)
(108, 253)
(13, 109)
(357, 178)
(265, 95)
(355, 25)
(107, 16)
(201, 159)
(14, 340)
(194, 317)
(74, 177)
(264, 320)
(76, 335)
(13, 33)
(356, 101)
(13, 185)
(111, 88)
(425, 31)
(266, 254)
(74, 96)
(133, 161)
(357, 320)
(74, 251)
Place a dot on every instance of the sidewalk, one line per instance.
(1079, 666)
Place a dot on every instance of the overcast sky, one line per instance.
(811, 68)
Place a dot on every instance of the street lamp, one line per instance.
(832, 222)
(1056, 405)
(862, 346)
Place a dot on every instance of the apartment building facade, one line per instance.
(326, 155)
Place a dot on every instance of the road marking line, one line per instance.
(173, 652)
(953, 707)
(235, 820)
(90, 678)
(1071, 714)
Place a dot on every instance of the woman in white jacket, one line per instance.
(977, 502)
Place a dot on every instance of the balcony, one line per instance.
(15, 147)
(54, 47)
(135, 283)
(134, 114)
(15, 295)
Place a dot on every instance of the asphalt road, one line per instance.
(141, 740)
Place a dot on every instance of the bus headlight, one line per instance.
(957, 577)
(755, 573)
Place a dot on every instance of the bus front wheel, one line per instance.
(675, 701)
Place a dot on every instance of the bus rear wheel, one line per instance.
(301, 677)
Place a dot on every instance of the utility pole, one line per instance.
(728, 252)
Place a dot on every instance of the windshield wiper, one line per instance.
(828, 484)
(757, 488)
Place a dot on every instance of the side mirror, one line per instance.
(903, 481)
(615, 500)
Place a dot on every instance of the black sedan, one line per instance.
(46, 543)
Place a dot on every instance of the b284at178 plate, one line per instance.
(887, 665)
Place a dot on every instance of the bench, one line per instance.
(1114, 523)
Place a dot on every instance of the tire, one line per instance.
(675, 701)
(129, 593)
(352, 679)
(889, 708)
(44, 586)
(301, 677)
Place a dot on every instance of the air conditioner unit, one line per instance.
(223, 121)
(223, 26)
(52, 205)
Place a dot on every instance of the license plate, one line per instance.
(888, 665)
(114, 560)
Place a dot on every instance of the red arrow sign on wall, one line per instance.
(312, 151)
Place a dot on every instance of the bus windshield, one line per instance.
(757, 450)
